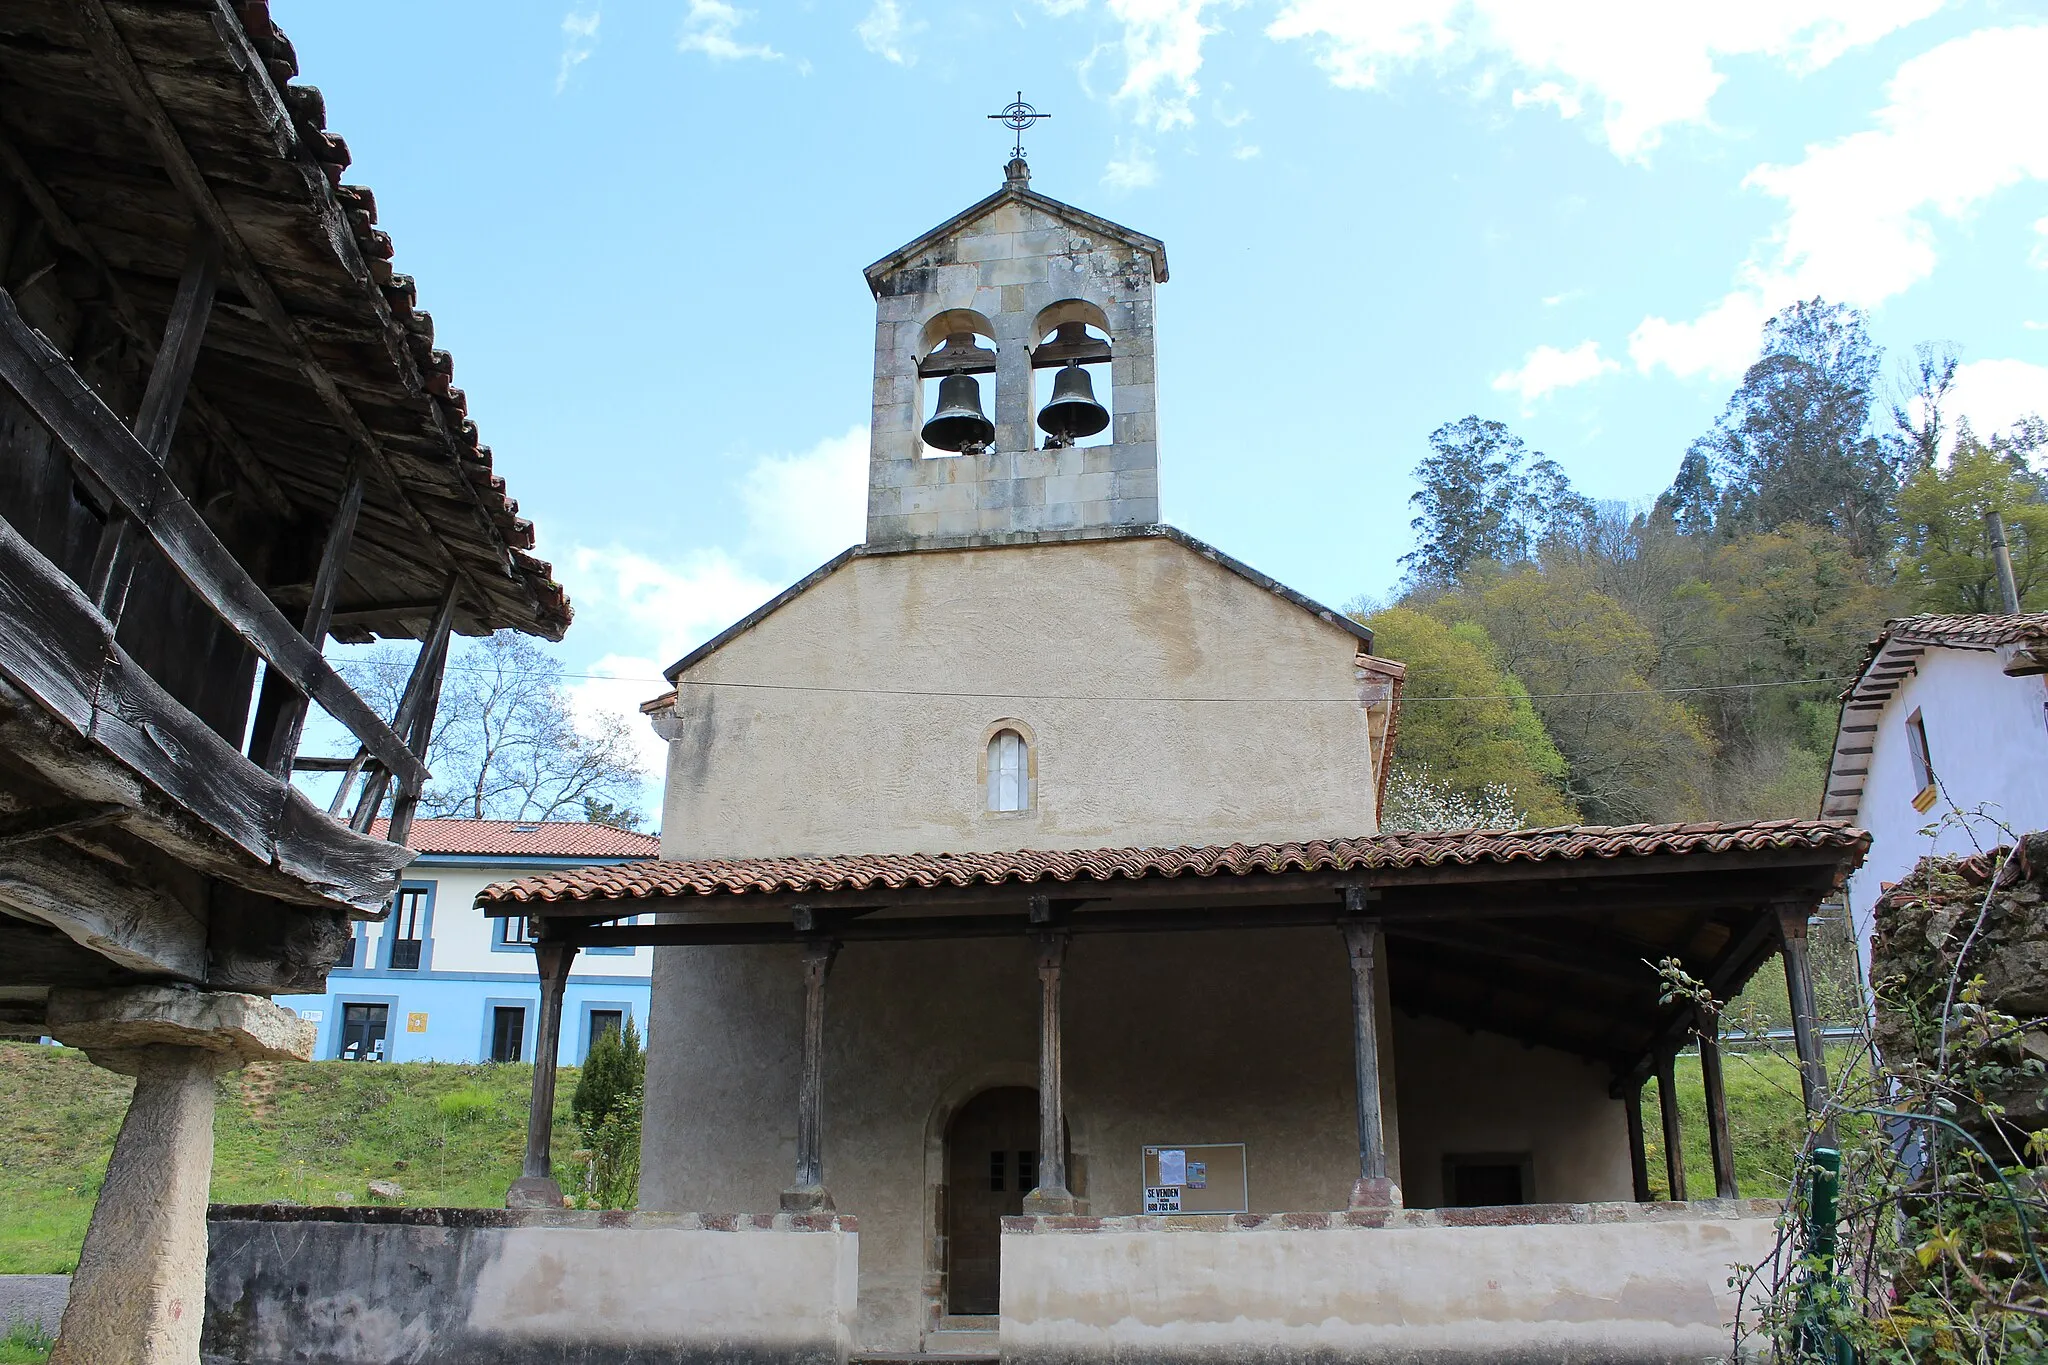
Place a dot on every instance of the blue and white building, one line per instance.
(438, 981)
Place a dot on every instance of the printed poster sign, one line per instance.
(1162, 1199)
(1173, 1166)
(416, 1022)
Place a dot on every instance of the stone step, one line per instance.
(969, 1357)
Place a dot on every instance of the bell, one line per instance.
(958, 423)
(1073, 411)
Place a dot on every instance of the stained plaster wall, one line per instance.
(1194, 1038)
(882, 683)
(1987, 735)
(1009, 266)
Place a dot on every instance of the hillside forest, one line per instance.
(1571, 661)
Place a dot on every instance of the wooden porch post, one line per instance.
(1813, 1070)
(1719, 1140)
(809, 1193)
(1374, 1189)
(1052, 1195)
(1674, 1129)
(536, 1187)
(1638, 1154)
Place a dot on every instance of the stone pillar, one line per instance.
(1375, 1188)
(1813, 1070)
(1052, 1195)
(1674, 1128)
(1720, 1141)
(138, 1296)
(1638, 1154)
(809, 1194)
(536, 1188)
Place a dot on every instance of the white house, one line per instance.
(1943, 744)
(436, 981)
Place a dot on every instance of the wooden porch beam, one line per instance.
(808, 1194)
(1674, 1125)
(1362, 942)
(60, 399)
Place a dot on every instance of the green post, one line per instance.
(1816, 1341)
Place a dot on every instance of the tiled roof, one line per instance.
(894, 871)
(1971, 632)
(532, 838)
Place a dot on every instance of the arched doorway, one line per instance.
(991, 1164)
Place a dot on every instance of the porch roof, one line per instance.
(1394, 856)
(1548, 936)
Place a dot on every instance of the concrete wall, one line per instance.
(491, 1287)
(1105, 641)
(1987, 735)
(1193, 1038)
(1008, 266)
(1618, 1284)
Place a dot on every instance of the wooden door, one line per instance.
(991, 1164)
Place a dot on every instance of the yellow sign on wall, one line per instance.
(416, 1022)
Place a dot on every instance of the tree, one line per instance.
(1917, 412)
(1631, 752)
(600, 812)
(1469, 739)
(1945, 558)
(1691, 501)
(1485, 496)
(507, 742)
(1794, 444)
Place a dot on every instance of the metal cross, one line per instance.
(1018, 116)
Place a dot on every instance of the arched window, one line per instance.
(1009, 771)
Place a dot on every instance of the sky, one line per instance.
(640, 227)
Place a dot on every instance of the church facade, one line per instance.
(1022, 902)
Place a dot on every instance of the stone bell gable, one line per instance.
(1017, 285)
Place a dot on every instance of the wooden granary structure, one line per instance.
(226, 436)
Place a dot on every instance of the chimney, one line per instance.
(2008, 591)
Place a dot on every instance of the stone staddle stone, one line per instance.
(241, 1028)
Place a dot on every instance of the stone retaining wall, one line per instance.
(367, 1286)
(1596, 1284)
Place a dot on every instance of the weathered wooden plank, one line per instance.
(118, 917)
(355, 869)
(62, 401)
(53, 645)
(142, 725)
(43, 822)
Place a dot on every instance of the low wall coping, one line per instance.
(1499, 1216)
(389, 1216)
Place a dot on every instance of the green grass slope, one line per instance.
(311, 1132)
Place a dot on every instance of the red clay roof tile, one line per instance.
(527, 838)
(863, 872)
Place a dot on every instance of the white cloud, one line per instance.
(1059, 9)
(1246, 151)
(2039, 255)
(709, 29)
(1961, 122)
(1643, 66)
(1994, 394)
(802, 509)
(1548, 369)
(883, 32)
(579, 40)
(1162, 52)
(1132, 168)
